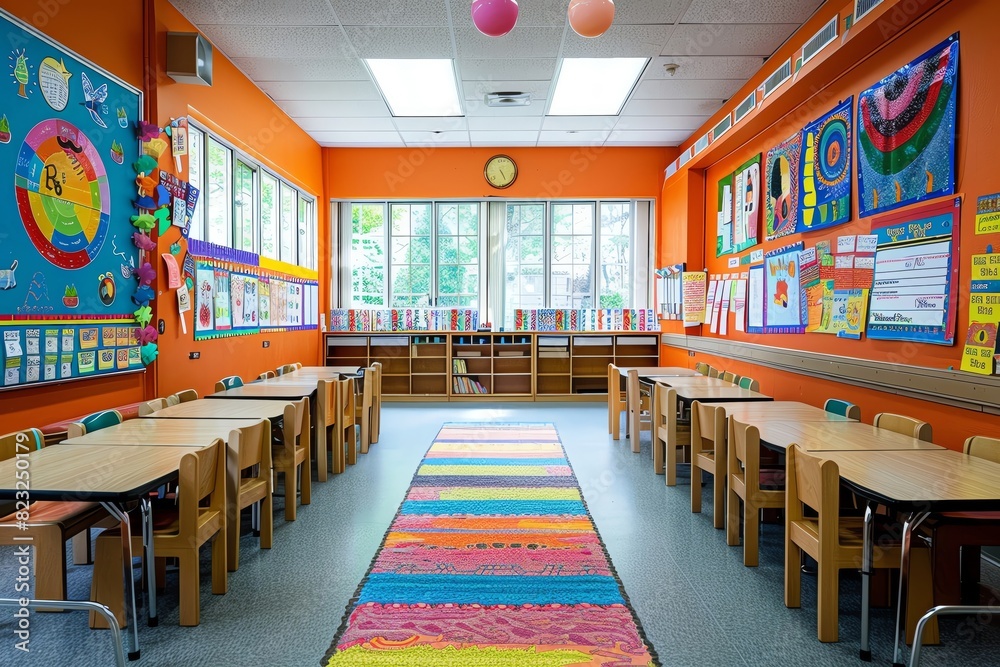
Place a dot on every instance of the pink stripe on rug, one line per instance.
(499, 562)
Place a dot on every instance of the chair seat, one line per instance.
(47, 512)
(279, 456)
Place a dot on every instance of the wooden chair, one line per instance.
(640, 414)
(294, 454)
(836, 543)
(756, 488)
(266, 375)
(149, 407)
(249, 479)
(957, 538)
(93, 422)
(701, 367)
(747, 382)
(50, 523)
(713, 372)
(287, 368)
(230, 382)
(670, 432)
(708, 453)
(376, 399)
(842, 408)
(905, 425)
(364, 408)
(727, 376)
(182, 397)
(335, 421)
(617, 404)
(200, 516)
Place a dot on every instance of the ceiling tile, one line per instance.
(320, 90)
(477, 90)
(581, 138)
(505, 138)
(256, 12)
(530, 13)
(265, 41)
(417, 138)
(494, 124)
(578, 123)
(684, 123)
(750, 11)
(620, 41)
(718, 39)
(665, 138)
(412, 124)
(686, 89)
(409, 13)
(525, 42)
(479, 108)
(330, 124)
(529, 69)
(395, 42)
(314, 109)
(638, 12)
(671, 107)
(303, 69)
(357, 138)
(705, 67)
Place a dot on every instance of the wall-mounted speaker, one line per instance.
(189, 58)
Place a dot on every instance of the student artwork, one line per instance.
(724, 217)
(20, 71)
(784, 307)
(825, 199)
(915, 289)
(746, 204)
(94, 99)
(4, 130)
(906, 133)
(782, 198)
(53, 81)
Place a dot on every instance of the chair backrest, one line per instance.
(983, 447)
(744, 448)
(149, 407)
(748, 382)
(296, 423)
(202, 474)
(20, 442)
(632, 383)
(713, 372)
(701, 367)
(728, 376)
(298, 365)
(326, 404)
(614, 381)
(906, 425)
(182, 397)
(708, 426)
(93, 422)
(376, 378)
(253, 444)
(228, 383)
(266, 375)
(814, 482)
(843, 408)
(367, 391)
(287, 368)
(347, 401)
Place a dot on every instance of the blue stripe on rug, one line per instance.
(447, 461)
(389, 588)
(487, 481)
(487, 507)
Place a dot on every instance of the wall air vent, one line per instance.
(827, 34)
(722, 127)
(862, 7)
(778, 77)
(745, 107)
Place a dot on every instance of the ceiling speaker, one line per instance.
(189, 58)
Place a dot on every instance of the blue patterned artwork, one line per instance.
(825, 197)
(906, 133)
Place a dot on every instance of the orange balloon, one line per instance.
(591, 18)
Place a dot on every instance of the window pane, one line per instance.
(268, 215)
(524, 274)
(220, 200)
(616, 237)
(368, 254)
(245, 207)
(458, 254)
(196, 176)
(571, 260)
(307, 233)
(411, 255)
(287, 223)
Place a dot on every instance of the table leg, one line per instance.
(129, 580)
(867, 556)
(147, 518)
(914, 520)
(321, 446)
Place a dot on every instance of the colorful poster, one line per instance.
(694, 299)
(204, 320)
(782, 172)
(988, 214)
(980, 345)
(724, 217)
(251, 301)
(784, 307)
(906, 133)
(264, 310)
(223, 312)
(849, 307)
(746, 204)
(825, 199)
(740, 303)
(755, 299)
(915, 283)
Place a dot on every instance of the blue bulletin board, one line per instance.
(67, 144)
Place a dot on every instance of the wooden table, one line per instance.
(288, 391)
(222, 409)
(113, 476)
(163, 433)
(632, 404)
(690, 381)
(793, 411)
(663, 371)
(322, 372)
(831, 436)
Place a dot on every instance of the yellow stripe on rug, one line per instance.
(473, 656)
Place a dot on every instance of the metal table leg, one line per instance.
(147, 542)
(129, 580)
(914, 520)
(80, 605)
(867, 556)
(942, 610)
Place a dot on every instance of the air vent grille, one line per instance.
(722, 127)
(746, 106)
(827, 34)
(862, 7)
(778, 77)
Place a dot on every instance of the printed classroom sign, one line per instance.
(988, 214)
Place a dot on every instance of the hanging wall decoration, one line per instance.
(906, 133)
(782, 195)
(746, 204)
(825, 197)
(784, 307)
(724, 217)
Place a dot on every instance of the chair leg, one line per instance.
(793, 575)
(920, 597)
(266, 519)
(291, 492)
(352, 445)
(220, 573)
(670, 464)
(106, 582)
(733, 520)
(190, 584)
(233, 521)
(306, 484)
(366, 433)
(81, 548)
(718, 501)
(827, 602)
(751, 535)
(695, 487)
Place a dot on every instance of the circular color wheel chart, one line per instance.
(62, 194)
(833, 154)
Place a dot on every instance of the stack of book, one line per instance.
(466, 385)
(510, 353)
(553, 352)
(458, 366)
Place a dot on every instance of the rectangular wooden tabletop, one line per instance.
(793, 411)
(291, 391)
(836, 436)
(322, 372)
(222, 409)
(163, 432)
(690, 381)
(928, 481)
(727, 393)
(94, 472)
(664, 371)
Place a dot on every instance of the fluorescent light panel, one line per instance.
(595, 86)
(417, 87)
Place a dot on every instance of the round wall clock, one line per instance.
(500, 171)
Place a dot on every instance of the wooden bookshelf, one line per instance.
(519, 366)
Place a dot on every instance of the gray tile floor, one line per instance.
(696, 601)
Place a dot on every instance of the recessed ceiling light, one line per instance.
(423, 87)
(595, 86)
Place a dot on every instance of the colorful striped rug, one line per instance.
(493, 560)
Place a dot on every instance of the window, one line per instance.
(458, 255)
(245, 204)
(307, 233)
(571, 257)
(410, 266)
(524, 259)
(368, 234)
(287, 223)
(615, 265)
(196, 176)
(268, 215)
(219, 214)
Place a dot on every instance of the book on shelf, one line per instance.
(468, 353)
(459, 366)
(510, 353)
(553, 354)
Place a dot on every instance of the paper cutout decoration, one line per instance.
(825, 197)
(906, 133)
(782, 196)
(980, 344)
(143, 242)
(143, 315)
(143, 221)
(143, 295)
(154, 148)
(53, 81)
(746, 204)
(94, 99)
(173, 271)
(145, 273)
(179, 141)
(144, 165)
(183, 305)
(146, 334)
(784, 307)
(147, 131)
(148, 353)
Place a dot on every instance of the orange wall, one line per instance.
(977, 146)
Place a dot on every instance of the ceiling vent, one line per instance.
(746, 106)
(817, 42)
(778, 77)
(722, 127)
(862, 7)
(508, 99)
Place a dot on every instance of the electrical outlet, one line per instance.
(690, 353)
(194, 355)
(267, 343)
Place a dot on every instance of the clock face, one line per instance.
(500, 171)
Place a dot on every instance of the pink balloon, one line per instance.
(494, 18)
(591, 18)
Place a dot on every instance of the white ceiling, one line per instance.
(307, 56)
